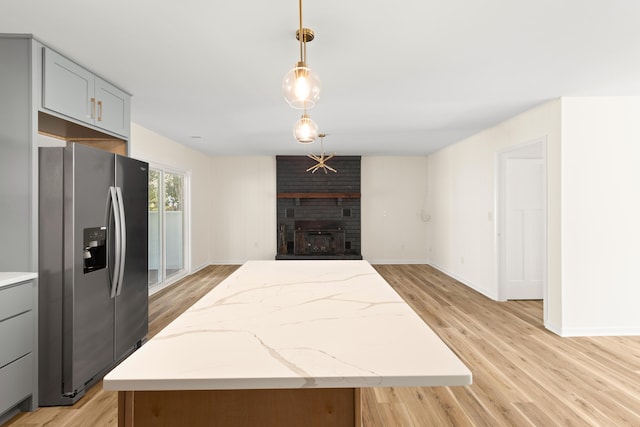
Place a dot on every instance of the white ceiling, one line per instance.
(402, 77)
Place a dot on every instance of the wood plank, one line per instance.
(125, 408)
(240, 408)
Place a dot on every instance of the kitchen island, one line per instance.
(282, 343)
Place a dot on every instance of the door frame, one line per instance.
(521, 150)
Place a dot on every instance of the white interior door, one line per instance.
(524, 226)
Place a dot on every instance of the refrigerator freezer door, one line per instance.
(88, 345)
(50, 274)
(132, 302)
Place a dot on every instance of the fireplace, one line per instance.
(318, 214)
(318, 238)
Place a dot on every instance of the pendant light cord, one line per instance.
(301, 34)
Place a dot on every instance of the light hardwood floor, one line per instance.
(523, 375)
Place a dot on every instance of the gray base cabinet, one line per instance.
(17, 335)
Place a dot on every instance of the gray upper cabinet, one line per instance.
(112, 108)
(68, 88)
(75, 92)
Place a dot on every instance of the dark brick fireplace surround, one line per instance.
(318, 214)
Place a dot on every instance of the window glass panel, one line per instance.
(155, 229)
(174, 222)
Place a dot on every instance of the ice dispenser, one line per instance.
(95, 249)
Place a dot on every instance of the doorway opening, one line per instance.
(522, 222)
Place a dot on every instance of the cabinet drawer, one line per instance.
(16, 336)
(16, 299)
(16, 382)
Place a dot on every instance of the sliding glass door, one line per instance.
(167, 225)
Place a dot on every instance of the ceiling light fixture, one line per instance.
(321, 159)
(301, 86)
(305, 130)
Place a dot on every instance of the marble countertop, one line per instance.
(8, 278)
(293, 324)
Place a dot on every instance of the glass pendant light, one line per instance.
(305, 130)
(301, 86)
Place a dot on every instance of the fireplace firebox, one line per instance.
(318, 237)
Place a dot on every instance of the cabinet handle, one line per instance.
(99, 111)
(93, 108)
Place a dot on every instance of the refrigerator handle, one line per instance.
(115, 206)
(123, 240)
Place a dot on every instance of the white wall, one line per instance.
(394, 193)
(601, 216)
(156, 149)
(461, 201)
(233, 203)
(243, 209)
(593, 232)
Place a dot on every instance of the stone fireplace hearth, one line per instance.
(318, 214)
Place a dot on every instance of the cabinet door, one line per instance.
(112, 108)
(67, 88)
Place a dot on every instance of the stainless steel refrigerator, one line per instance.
(93, 296)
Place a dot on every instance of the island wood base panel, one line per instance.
(317, 407)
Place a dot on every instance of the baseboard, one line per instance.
(198, 268)
(596, 332)
(396, 261)
(471, 285)
(553, 328)
(371, 261)
(227, 262)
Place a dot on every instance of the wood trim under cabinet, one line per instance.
(55, 127)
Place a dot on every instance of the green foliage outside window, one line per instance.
(154, 181)
(173, 188)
